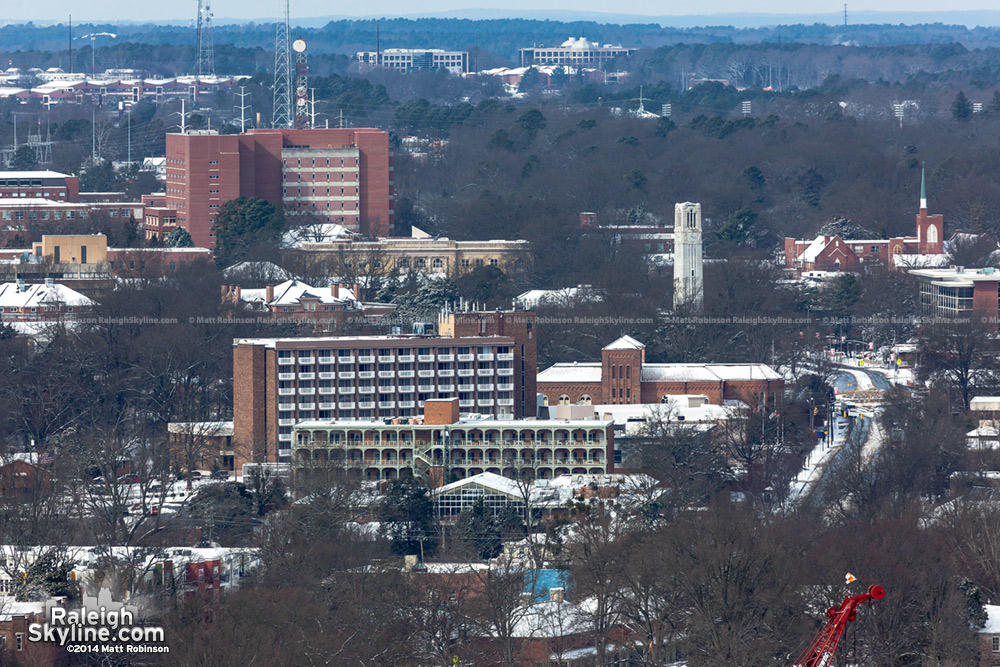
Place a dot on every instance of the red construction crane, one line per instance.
(820, 653)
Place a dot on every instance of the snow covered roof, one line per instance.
(536, 297)
(551, 619)
(992, 626)
(263, 270)
(32, 174)
(201, 428)
(571, 372)
(490, 480)
(293, 292)
(813, 250)
(625, 343)
(13, 295)
(903, 260)
(319, 233)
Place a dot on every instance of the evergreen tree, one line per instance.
(243, 225)
(23, 160)
(178, 238)
(961, 108)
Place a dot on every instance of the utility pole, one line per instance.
(312, 107)
(183, 117)
(93, 137)
(70, 70)
(243, 106)
(130, 138)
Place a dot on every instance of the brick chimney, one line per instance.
(356, 288)
(269, 293)
(588, 219)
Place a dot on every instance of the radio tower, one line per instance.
(206, 53)
(301, 85)
(281, 115)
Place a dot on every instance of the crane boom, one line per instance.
(820, 653)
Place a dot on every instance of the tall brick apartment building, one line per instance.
(623, 377)
(341, 176)
(278, 382)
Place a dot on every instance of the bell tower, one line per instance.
(689, 287)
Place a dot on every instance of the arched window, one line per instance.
(665, 398)
(628, 372)
(545, 400)
(586, 400)
(621, 372)
(614, 372)
(932, 235)
(438, 263)
(563, 399)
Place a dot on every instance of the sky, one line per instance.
(245, 10)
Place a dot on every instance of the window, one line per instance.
(19, 638)
(586, 400)
(563, 399)
(996, 644)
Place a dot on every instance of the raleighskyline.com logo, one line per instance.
(100, 620)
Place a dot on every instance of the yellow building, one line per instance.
(72, 249)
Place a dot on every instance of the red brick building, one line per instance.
(341, 176)
(623, 377)
(832, 253)
(40, 185)
(278, 382)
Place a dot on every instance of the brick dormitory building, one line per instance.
(341, 176)
(487, 361)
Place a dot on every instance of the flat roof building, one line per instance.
(577, 52)
(341, 176)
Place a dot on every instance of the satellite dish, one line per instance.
(299, 45)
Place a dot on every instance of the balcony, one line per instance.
(307, 391)
(345, 390)
(345, 360)
(466, 372)
(366, 390)
(466, 387)
(486, 403)
(387, 374)
(366, 359)
(346, 406)
(327, 406)
(288, 391)
(285, 407)
(406, 389)
(505, 387)
(326, 390)
(387, 389)
(327, 376)
(327, 360)
(446, 387)
(286, 376)
(307, 361)
(466, 357)
(286, 361)
(366, 375)
(305, 407)
(406, 404)
(307, 376)
(285, 437)
(366, 405)
(484, 387)
(446, 373)
(446, 357)
(425, 374)
(386, 405)
(406, 358)
(505, 356)
(484, 371)
(406, 374)
(346, 375)
(466, 404)
(425, 388)
(286, 422)
(485, 357)
(505, 371)
(386, 358)
(425, 357)
(505, 401)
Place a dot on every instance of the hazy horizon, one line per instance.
(310, 11)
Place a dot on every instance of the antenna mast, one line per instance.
(243, 106)
(281, 115)
(301, 85)
(845, 14)
(70, 70)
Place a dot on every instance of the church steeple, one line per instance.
(923, 191)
